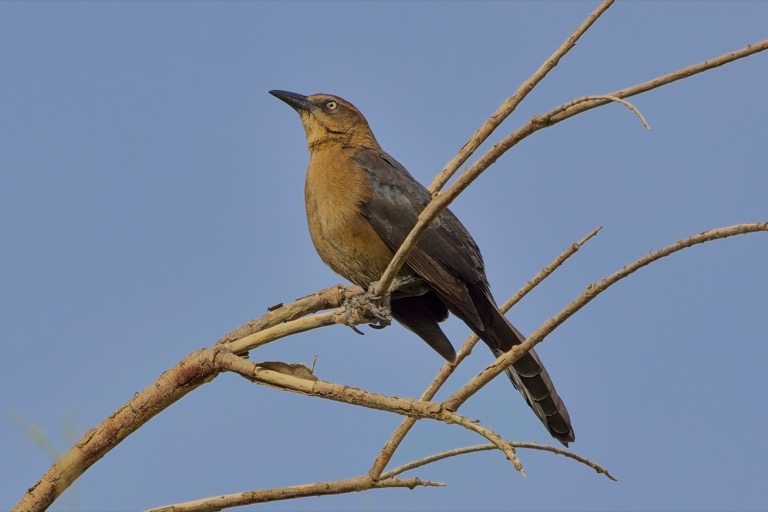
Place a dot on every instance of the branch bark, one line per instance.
(386, 453)
(442, 200)
(485, 447)
(510, 104)
(191, 372)
(296, 491)
(592, 291)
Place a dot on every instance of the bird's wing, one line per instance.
(446, 255)
(448, 259)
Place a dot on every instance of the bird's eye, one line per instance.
(331, 105)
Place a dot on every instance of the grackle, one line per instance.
(361, 204)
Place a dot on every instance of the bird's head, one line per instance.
(329, 119)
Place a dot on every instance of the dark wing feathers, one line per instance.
(421, 314)
(448, 259)
(446, 256)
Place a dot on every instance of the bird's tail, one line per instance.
(530, 377)
(527, 374)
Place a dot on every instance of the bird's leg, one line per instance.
(381, 312)
(381, 309)
(373, 306)
(376, 307)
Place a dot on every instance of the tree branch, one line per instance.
(329, 298)
(191, 372)
(203, 365)
(561, 113)
(510, 104)
(386, 453)
(592, 291)
(357, 484)
(312, 386)
(485, 447)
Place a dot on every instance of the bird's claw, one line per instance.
(381, 312)
(368, 304)
(349, 305)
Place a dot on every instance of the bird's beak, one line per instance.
(298, 101)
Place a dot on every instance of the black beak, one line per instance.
(297, 101)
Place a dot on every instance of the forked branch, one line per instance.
(559, 114)
(402, 430)
(592, 291)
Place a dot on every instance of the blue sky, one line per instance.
(151, 199)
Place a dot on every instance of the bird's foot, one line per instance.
(350, 305)
(372, 306)
(379, 309)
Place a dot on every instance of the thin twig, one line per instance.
(546, 271)
(579, 105)
(361, 483)
(297, 383)
(269, 328)
(486, 447)
(510, 104)
(592, 291)
(561, 113)
(490, 435)
(565, 453)
(227, 361)
(339, 316)
(437, 457)
(394, 441)
(622, 102)
(480, 136)
(328, 298)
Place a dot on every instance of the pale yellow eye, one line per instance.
(331, 105)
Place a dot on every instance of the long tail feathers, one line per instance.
(527, 374)
(421, 314)
(530, 377)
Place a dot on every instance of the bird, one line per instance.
(361, 204)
